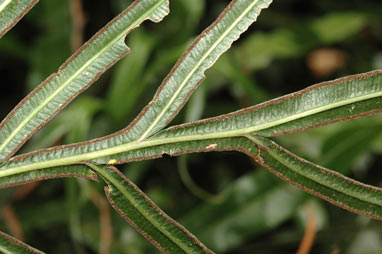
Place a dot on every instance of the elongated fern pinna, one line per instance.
(249, 130)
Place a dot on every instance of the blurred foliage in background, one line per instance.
(231, 205)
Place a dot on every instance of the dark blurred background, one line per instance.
(223, 198)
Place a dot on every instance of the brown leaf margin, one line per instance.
(287, 97)
(153, 207)
(256, 152)
(18, 18)
(19, 243)
(261, 160)
(92, 176)
(155, 98)
(58, 73)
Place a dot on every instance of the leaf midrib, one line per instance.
(4, 5)
(5, 250)
(196, 67)
(75, 75)
(168, 140)
(318, 180)
(142, 211)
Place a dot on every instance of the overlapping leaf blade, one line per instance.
(329, 185)
(317, 105)
(175, 89)
(333, 101)
(135, 207)
(188, 73)
(324, 183)
(75, 75)
(11, 11)
(10, 245)
(321, 104)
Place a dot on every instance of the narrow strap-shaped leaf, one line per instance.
(10, 245)
(317, 105)
(75, 75)
(147, 218)
(48, 173)
(188, 73)
(341, 99)
(131, 152)
(176, 88)
(11, 11)
(324, 183)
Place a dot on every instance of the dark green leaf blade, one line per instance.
(48, 173)
(341, 99)
(11, 11)
(10, 245)
(188, 72)
(136, 208)
(320, 104)
(327, 184)
(174, 91)
(75, 75)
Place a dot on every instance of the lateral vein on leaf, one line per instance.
(76, 74)
(196, 67)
